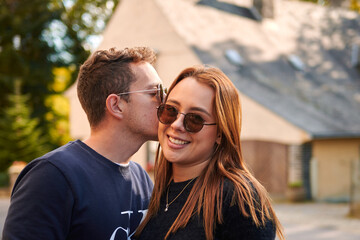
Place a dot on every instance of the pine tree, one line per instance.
(20, 137)
(38, 36)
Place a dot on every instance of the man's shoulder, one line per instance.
(70, 149)
(138, 170)
(63, 156)
(136, 166)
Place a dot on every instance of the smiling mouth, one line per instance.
(177, 141)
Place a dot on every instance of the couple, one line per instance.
(90, 189)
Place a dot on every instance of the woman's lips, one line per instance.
(176, 143)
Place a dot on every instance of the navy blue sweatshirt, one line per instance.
(75, 193)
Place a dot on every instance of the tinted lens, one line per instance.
(161, 93)
(193, 122)
(167, 114)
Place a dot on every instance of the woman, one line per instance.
(203, 189)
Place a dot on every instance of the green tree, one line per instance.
(20, 137)
(60, 107)
(40, 35)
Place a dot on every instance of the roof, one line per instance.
(323, 99)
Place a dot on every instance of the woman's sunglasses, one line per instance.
(167, 114)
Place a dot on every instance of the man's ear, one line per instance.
(115, 105)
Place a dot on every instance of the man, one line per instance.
(90, 190)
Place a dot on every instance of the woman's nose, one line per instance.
(178, 124)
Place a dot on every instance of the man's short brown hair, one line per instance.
(106, 72)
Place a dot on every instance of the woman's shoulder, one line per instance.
(229, 187)
(236, 215)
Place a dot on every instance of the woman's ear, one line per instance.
(218, 139)
(115, 105)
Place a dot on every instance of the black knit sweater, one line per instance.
(235, 225)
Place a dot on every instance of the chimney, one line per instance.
(266, 8)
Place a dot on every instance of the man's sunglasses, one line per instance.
(167, 114)
(160, 92)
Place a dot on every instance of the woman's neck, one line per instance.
(183, 172)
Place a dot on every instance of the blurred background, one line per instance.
(296, 65)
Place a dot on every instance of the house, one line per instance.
(297, 73)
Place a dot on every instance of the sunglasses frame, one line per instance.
(186, 115)
(160, 92)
